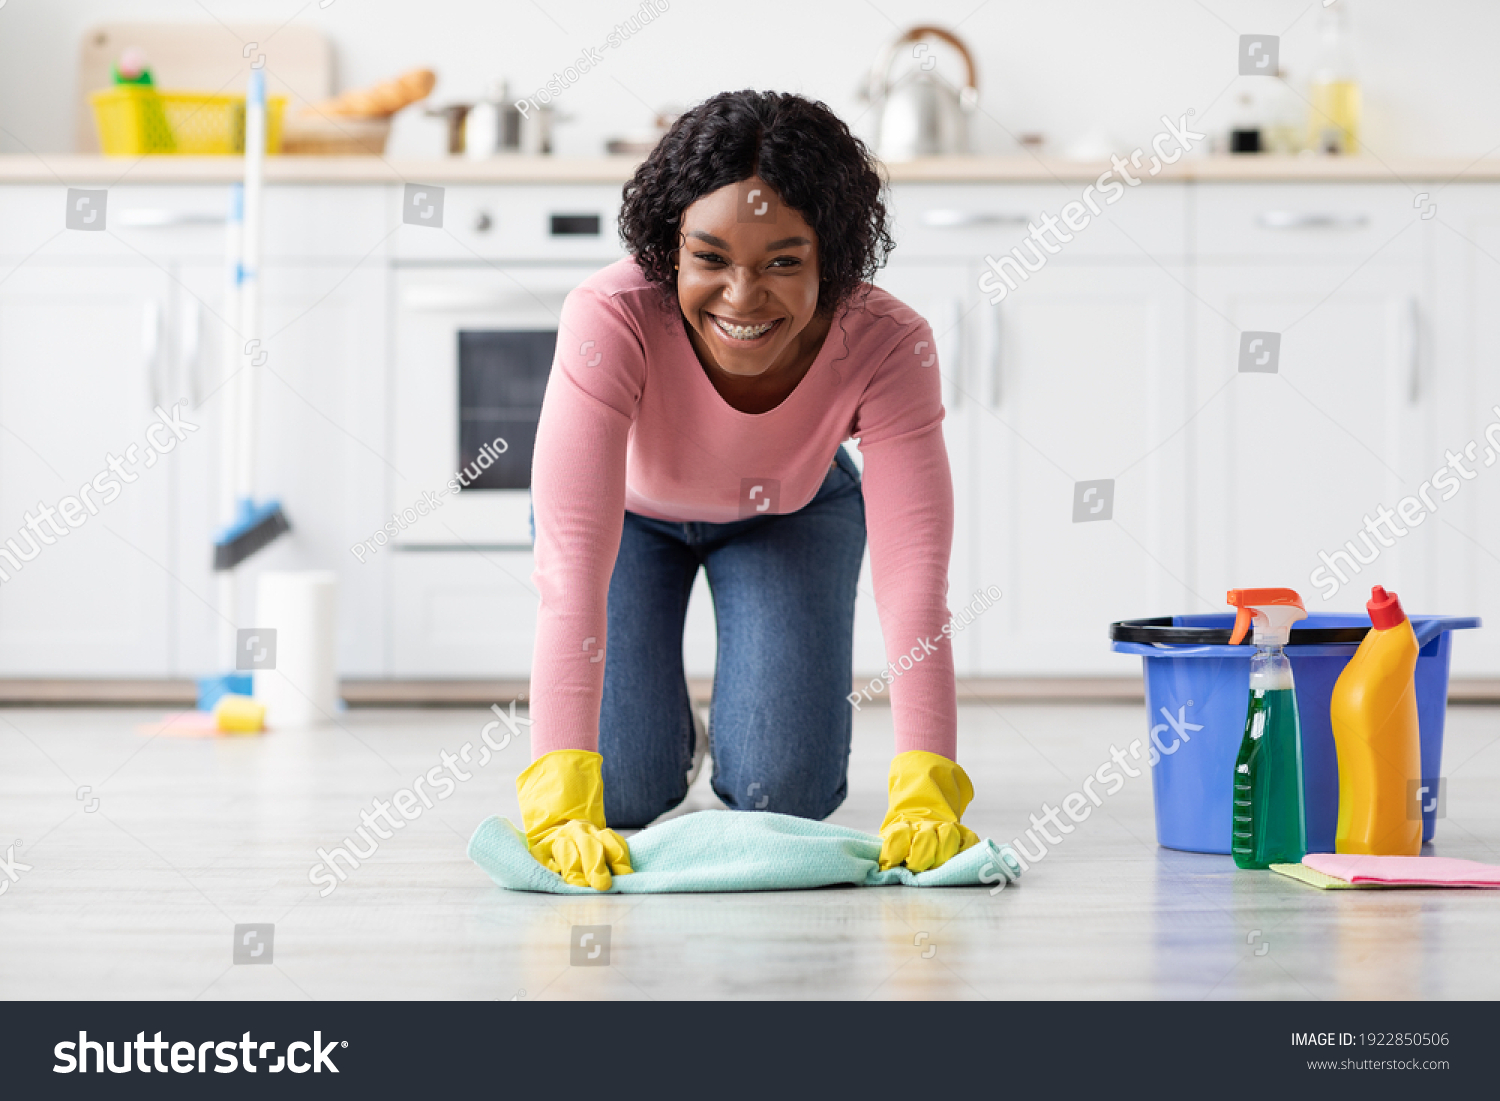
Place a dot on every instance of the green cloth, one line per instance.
(723, 850)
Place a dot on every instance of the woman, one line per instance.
(700, 394)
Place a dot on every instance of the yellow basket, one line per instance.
(134, 120)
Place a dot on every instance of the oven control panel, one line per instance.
(467, 224)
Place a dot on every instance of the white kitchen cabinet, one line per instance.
(965, 222)
(460, 613)
(322, 449)
(1117, 360)
(1463, 385)
(1289, 464)
(943, 293)
(83, 359)
(199, 288)
(1076, 375)
(162, 223)
(302, 224)
(1307, 223)
(97, 328)
(1085, 383)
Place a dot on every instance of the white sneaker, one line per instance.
(700, 747)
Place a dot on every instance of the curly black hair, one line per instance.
(799, 147)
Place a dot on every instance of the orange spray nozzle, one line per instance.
(1241, 627)
(1252, 603)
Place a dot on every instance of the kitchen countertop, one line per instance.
(65, 169)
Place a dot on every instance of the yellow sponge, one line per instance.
(239, 715)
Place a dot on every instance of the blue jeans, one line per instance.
(783, 590)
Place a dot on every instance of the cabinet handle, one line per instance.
(192, 347)
(1293, 219)
(995, 337)
(441, 299)
(965, 219)
(151, 348)
(1412, 317)
(149, 218)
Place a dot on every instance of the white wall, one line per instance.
(1428, 69)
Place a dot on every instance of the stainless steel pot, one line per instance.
(496, 127)
(920, 114)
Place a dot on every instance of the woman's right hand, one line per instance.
(562, 811)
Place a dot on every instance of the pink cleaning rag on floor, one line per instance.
(1436, 871)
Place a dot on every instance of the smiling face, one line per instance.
(747, 281)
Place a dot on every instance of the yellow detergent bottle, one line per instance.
(1374, 713)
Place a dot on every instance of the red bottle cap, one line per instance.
(1385, 609)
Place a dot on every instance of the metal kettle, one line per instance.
(921, 115)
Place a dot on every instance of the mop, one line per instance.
(248, 526)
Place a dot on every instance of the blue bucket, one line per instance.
(1195, 679)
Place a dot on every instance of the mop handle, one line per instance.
(229, 404)
(234, 345)
(255, 154)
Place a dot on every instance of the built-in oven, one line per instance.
(474, 347)
(477, 300)
(475, 306)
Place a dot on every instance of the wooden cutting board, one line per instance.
(205, 57)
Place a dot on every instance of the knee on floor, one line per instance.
(632, 806)
(782, 792)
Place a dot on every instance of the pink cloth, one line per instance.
(1438, 871)
(630, 421)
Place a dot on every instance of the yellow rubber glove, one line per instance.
(562, 810)
(928, 796)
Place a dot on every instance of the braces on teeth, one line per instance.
(744, 332)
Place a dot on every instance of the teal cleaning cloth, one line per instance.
(723, 850)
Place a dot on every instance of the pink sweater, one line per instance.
(631, 421)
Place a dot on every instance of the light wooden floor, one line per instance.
(138, 897)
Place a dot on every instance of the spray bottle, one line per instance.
(1270, 821)
(1376, 733)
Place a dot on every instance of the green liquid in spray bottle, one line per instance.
(1269, 820)
(1270, 825)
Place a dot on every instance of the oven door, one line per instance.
(474, 347)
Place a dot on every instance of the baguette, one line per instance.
(381, 100)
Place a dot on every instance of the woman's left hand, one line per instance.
(562, 810)
(928, 795)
